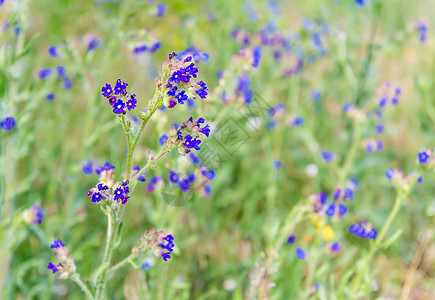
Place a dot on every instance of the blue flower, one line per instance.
(184, 185)
(156, 46)
(96, 197)
(7, 123)
(194, 158)
(257, 57)
(131, 104)
(316, 95)
(291, 239)
(56, 244)
(300, 253)
(119, 193)
(52, 267)
(60, 71)
(173, 177)
(120, 87)
(67, 83)
(190, 142)
(93, 43)
(87, 167)
(118, 107)
(161, 9)
(389, 174)
(330, 211)
(336, 247)
(276, 164)
(142, 176)
(140, 48)
(145, 266)
(107, 90)
(162, 139)
(327, 156)
(423, 157)
(50, 97)
(205, 130)
(52, 51)
(360, 2)
(181, 97)
(44, 73)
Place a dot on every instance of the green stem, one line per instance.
(83, 286)
(344, 172)
(120, 264)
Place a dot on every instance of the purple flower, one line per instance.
(291, 239)
(184, 185)
(194, 158)
(423, 157)
(119, 193)
(276, 164)
(162, 139)
(300, 253)
(107, 90)
(330, 211)
(335, 247)
(190, 143)
(87, 167)
(57, 244)
(166, 256)
(173, 177)
(131, 104)
(257, 57)
(60, 71)
(93, 43)
(67, 83)
(44, 73)
(342, 209)
(50, 97)
(52, 51)
(142, 176)
(316, 95)
(140, 48)
(205, 130)
(156, 46)
(120, 87)
(52, 267)
(7, 123)
(389, 174)
(96, 197)
(161, 9)
(360, 2)
(327, 156)
(118, 107)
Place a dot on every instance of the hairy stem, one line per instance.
(83, 286)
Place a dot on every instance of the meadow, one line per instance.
(188, 149)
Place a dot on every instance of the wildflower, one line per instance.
(119, 193)
(161, 9)
(118, 107)
(291, 239)
(60, 71)
(360, 2)
(327, 156)
(66, 266)
(96, 197)
(422, 31)
(145, 266)
(52, 51)
(330, 211)
(316, 95)
(156, 46)
(67, 83)
(257, 57)
(87, 167)
(50, 97)
(44, 73)
(131, 104)
(335, 247)
(300, 253)
(173, 177)
(423, 157)
(342, 210)
(194, 158)
(7, 123)
(140, 48)
(389, 174)
(107, 90)
(33, 215)
(93, 43)
(120, 87)
(162, 139)
(277, 164)
(363, 230)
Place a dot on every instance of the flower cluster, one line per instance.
(200, 178)
(278, 114)
(388, 93)
(372, 145)
(118, 97)
(66, 267)
(401, 182)
(187, 136)
(33, 215)
(176, 83)
(154, 241)
(196, 54)
(142, 48)
(363, 230)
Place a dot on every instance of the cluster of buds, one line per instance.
(33, 215)
(363, 230)
(176, 84)
(107, 191)
(372, 145)
(401, 182)
(278, 114)
(186, 137)
(118, 97)
(388, 93)
(156, 242)
(66, 266)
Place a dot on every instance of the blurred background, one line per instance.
(337, 93)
